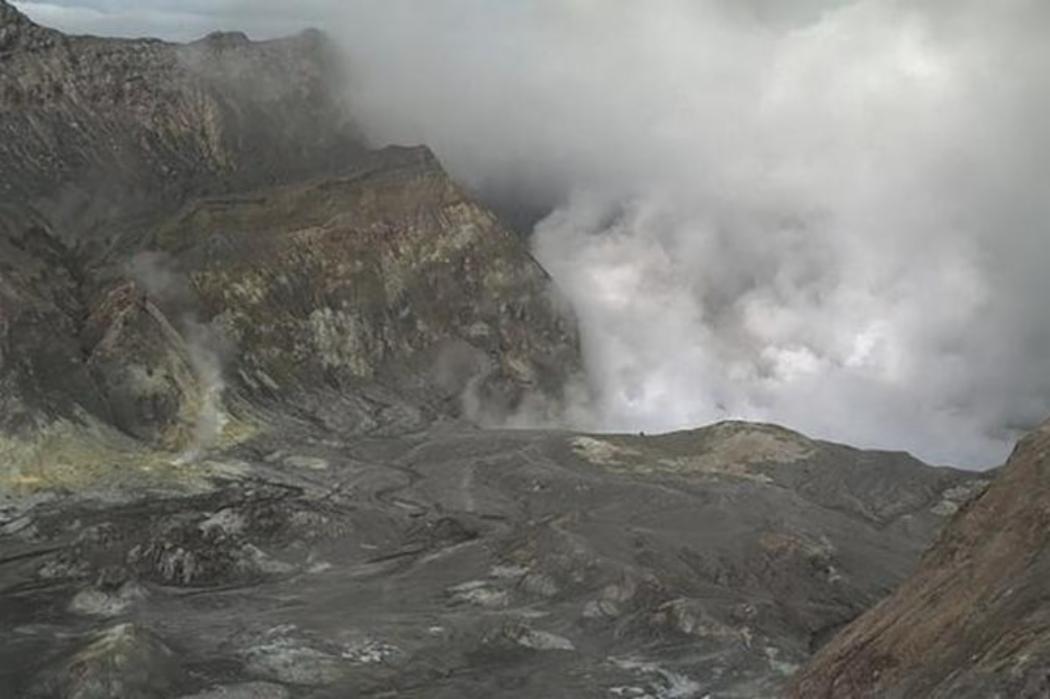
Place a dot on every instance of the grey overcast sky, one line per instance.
(827, 214)
(177, 20)
(181, 20)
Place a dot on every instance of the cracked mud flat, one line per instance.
(464, 563)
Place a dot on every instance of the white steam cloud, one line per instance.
(831, 215)
(204, 346)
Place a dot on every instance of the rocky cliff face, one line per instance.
(972, 621)
(157, 194)
(96, 131)
(390, 276)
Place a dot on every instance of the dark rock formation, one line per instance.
(142, 367)
(972, 621)
(96, 131)
(348, 273)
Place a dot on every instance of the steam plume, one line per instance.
(203, 345)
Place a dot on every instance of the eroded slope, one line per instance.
(972, 621)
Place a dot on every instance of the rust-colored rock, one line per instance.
(973, 621)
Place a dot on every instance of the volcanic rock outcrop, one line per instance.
(157, 194)
(972, 621)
